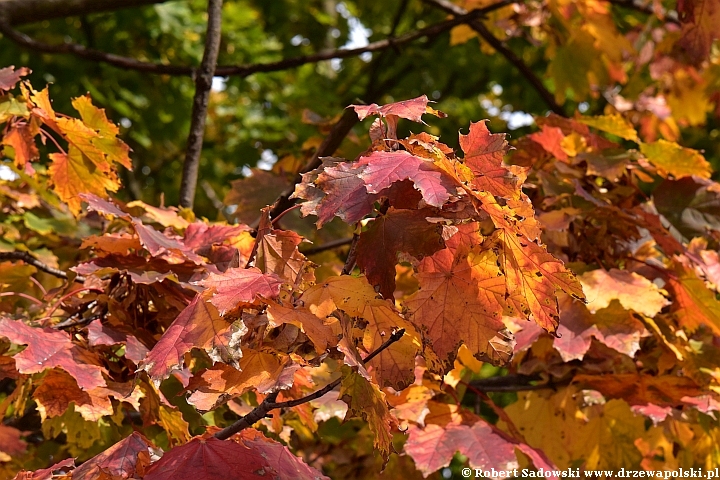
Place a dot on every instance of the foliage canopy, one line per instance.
(374, 301)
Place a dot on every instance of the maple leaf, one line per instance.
(58, 390)
(459, 301)
(395, 365)
(398, 231)
(278, 253)
(695, 304)
(246, 459)
(49, 473)
(198, 326)
(264, 372)
(613, 124)
(433, 447)
(9, 76)
(119, 243)
(48, 348)
(106, 139)
(672, 159)
(412, 109)
(614, 326)
(74, 173)
(126, 459)
(20, 138)
(634, 292)
(104, 207)
(699, 19)
(382, 169)
(533, 277)
(346, 293)
(238, 286)
(164, 245)
(319, 331)
(334, 189)
(691, 204)
(365, 400)
(254, 192)
(484, 152)
(550, 138)
(99, 334)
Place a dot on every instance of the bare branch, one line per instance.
(514, 383)
(498, 45)
(327, 246)
(261, 411)
(19, 12)
(203, 83)
(31, 260)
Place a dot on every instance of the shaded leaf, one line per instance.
(398, 231)
(210, 458)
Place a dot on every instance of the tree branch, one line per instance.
(235, 70)
(261, 411)
(18, 12)
(498, 45)
(514, 383)
(327, 246)
(203, 83)
(31, 260)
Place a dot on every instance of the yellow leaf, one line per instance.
(670, 158)
(365, 400)
(73, 173)
(461, 34)
(613, 124)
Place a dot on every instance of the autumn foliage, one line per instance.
(549, 304)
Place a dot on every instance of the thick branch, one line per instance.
(235, 70)
(31, 260)
(498, 45)
(19, 12)
(261, 411)
(203, 83)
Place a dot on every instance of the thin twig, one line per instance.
(203, 83)
(237, 70)
(327, 246)
(261, 411)
(352, 254)
(500, 47)
(31, 260)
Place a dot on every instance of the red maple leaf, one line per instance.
(48, 348)
(247, 459)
